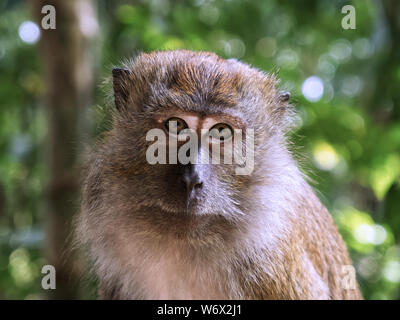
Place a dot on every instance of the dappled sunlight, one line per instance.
(383, 175)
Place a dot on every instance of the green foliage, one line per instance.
(350, 138)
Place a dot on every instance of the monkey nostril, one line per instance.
(198, 185)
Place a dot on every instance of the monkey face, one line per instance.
(165, 95)
(180, 162)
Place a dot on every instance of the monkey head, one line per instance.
(197, 93)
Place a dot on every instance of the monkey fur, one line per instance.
(260, 236)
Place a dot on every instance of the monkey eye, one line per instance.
(221, 132)
(175, 125)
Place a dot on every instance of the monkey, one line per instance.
(202, 231)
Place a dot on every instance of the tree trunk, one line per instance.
(65, 53)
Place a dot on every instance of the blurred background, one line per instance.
(345, 85)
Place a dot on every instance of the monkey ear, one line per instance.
(121, 93)
(284, 97)
(281, 107)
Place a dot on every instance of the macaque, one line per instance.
(195, 230)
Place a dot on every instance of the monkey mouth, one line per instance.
(191, 203)
(178, 204)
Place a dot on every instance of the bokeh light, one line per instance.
(325, 156)
(373, 234)
(313, 88)
(29, 32)
(391, 271)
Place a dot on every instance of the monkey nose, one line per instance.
(191, 178)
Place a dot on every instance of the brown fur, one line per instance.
(262, 236)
